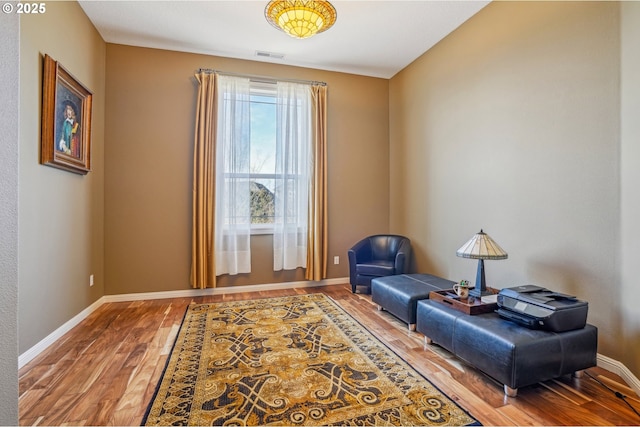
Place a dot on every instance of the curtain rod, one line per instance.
(261, 79)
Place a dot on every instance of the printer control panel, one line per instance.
(530, 309)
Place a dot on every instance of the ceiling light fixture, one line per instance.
(301, 18)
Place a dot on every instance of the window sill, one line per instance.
(261, 229)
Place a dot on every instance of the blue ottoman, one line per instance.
(399, 294)
(514, 355)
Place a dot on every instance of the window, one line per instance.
(263, 162)
(262, 177)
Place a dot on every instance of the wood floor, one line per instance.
(105, 370)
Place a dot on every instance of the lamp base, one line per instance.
(481, 288)
(479, 293)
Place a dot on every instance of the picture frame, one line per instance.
(66, 120)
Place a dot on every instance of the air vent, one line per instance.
(263, 54)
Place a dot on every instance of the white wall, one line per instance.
(630, 182)
(9, 121)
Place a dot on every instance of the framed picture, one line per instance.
(66, 120)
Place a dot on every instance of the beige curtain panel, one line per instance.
(317, 239)
(202, 259)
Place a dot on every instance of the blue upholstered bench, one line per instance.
(399, 294)
(513, 355)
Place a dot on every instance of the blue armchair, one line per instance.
(377, 256)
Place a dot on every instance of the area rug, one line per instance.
(294, 361)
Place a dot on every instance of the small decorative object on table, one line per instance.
(462, 289)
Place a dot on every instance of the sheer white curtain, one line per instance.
(293, 167)
(233, 211)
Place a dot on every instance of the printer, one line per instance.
(539, 308)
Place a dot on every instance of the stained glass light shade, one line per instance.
(481, 247)
(301, 18)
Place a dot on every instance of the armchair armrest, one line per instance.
(403, 257)
(359, 251)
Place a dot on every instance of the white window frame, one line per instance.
(262, 89)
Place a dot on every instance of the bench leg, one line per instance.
(427, 341)
(578, 374)
(412, 327)
(511, 392)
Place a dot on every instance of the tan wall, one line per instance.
(60, 213)
(512, 124)
(149, 155)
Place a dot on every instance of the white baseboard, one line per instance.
(603, 362)
(30, 354)
(187, 293)
(618, 368)
(34, 351)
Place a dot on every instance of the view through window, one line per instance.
(263, 149)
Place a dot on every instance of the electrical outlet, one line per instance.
(336, 260)
(91, 280)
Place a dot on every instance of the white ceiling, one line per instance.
(371, 38)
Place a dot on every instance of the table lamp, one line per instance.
(481, 247)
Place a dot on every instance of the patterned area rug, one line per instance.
(299, 360)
